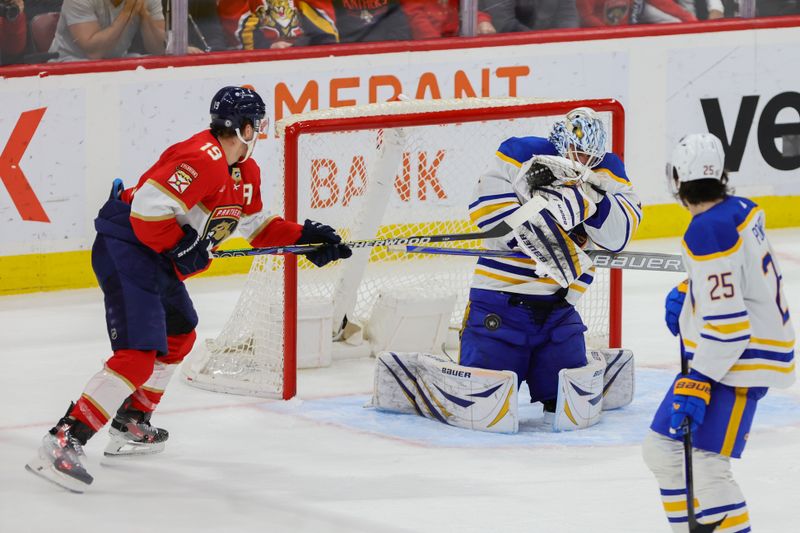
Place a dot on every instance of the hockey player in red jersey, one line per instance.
(149, 239)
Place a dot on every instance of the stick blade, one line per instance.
(707, 528)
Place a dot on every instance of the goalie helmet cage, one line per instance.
(449, 143)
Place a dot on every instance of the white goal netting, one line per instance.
(378, 171)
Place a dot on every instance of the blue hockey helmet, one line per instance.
(580, 133)
(233, 107)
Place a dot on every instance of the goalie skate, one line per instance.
(132, 434)
(59, 460)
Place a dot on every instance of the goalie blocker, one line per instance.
(486, 400)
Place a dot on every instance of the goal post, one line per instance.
(332, 162)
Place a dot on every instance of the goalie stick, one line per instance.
(601, 258)
(504, 227)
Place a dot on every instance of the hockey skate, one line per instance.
(60, 455)
(132, 434)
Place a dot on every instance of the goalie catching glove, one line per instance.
(331, 248)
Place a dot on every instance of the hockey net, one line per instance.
(379, 171)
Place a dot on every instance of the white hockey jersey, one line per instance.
(735, 323)
(611, 226)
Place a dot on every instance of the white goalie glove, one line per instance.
(557, 182)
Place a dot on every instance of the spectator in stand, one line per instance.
(13, 30)
(714, 8)
(336, 21)
(430, 19)
(101, 29)
(773, 8)
(255, 24)
(37, 7)
(621, 12)
(527, 15)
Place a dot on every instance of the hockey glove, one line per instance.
(555, 253)
(568, 204)
(331, 249)
(538, 175)
(673, 306)
(190, 255)
(690, 396)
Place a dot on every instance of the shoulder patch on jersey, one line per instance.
(186, 167)
(180, 180)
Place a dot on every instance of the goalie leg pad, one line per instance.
(619, 380)
(433, 387)
(580, 395)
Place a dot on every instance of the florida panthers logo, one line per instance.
(279, 16)
(222, 223)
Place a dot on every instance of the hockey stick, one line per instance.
(694, 525)
(601, 258)
(504, 227)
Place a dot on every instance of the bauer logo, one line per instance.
(456, 373)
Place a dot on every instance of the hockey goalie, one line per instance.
(521, 317)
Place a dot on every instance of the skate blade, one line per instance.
(45, 470)
(125, 448)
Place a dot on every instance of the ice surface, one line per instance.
(323, 463)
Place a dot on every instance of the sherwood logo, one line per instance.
(410, 241)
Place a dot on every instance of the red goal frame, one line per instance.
(295, 130)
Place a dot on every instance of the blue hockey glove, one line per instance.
(190, 255)
(332, 250)
(690, 396)
(673, 306)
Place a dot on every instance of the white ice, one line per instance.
(322, 463)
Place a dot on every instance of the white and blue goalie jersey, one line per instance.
(735, 323)
(611, 227)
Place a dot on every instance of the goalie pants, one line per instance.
(149, 316)
(534, 336)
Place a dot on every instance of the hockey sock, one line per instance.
(122, 374)
(717, 494)
(146, 397)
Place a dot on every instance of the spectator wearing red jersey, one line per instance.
(430, 19)
(620, 12)
(13, 30)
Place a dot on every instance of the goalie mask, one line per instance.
(580, 137)
(697, 156)
(232, 108)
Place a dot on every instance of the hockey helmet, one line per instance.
(697, 156)
(233, 107)
(580, 132)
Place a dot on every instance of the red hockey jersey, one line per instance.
(191, 183)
